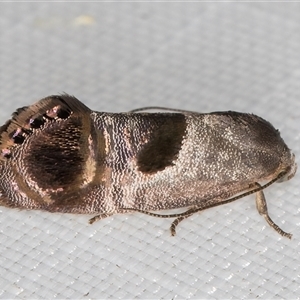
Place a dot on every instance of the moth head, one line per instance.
(46, 150)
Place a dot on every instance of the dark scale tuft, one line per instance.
(37, 122)
(54, 157)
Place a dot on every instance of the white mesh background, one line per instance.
(120, 56)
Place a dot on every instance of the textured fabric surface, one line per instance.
(119, 56)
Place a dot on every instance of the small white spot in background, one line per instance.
(84, 20)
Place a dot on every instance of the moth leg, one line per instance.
(179, 219)
(262, 208)
(99, 217)
(175, 223)
(186, 213)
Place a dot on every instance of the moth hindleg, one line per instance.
(262, 208)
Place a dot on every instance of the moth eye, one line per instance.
(57, 112)
(17, 136)
(37, 122)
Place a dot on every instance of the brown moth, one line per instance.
(58, 155)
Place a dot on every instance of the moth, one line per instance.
(57, 155)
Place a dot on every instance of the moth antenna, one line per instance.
(146, 108)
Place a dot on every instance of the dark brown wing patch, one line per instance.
(164, 145)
